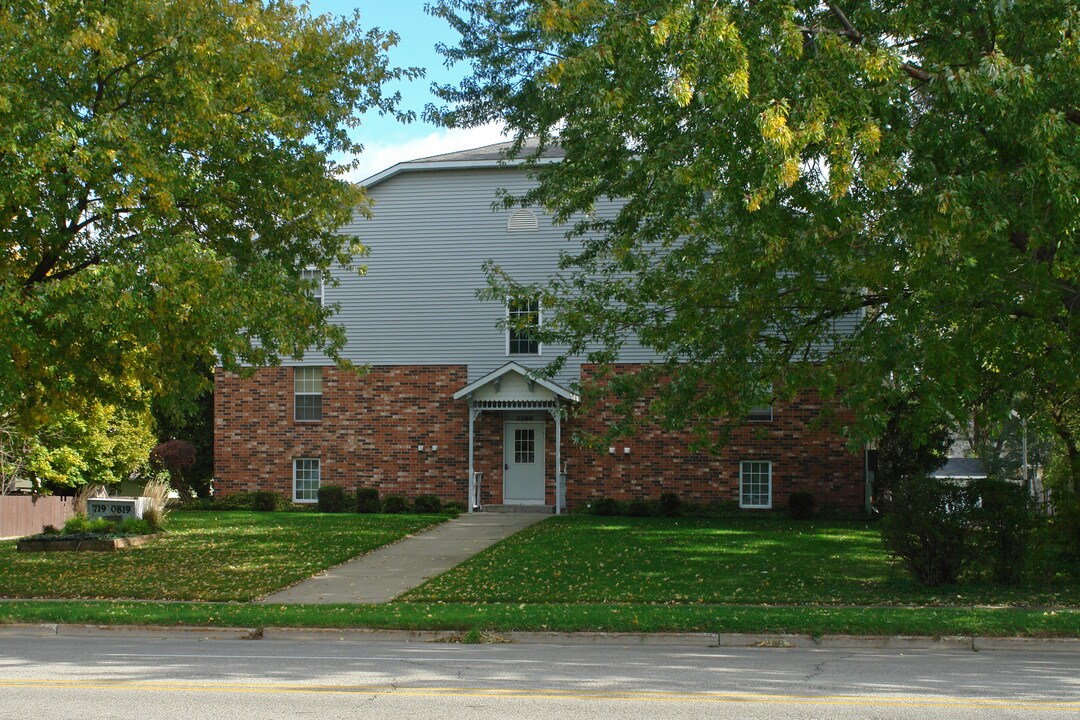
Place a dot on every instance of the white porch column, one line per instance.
(560, 491)
(473, 499)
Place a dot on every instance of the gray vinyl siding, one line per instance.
(429, 236)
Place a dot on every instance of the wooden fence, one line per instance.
(28, 514)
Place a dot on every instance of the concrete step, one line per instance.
(539, 509)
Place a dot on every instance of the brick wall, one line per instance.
(372, 425)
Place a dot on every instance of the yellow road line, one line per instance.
(548, 694)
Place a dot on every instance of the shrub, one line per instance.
(102, 526)
(671, 505)
(76, 524)
(367, 500)
(176, 458)
(927, 527)
(135, 526)
(50, 530)
(607, 506)
(454, 507)
(264, 501)
(1004, 523)
(233, 501)
(427, 504)
(1063, 538)
(802, 505)
(331, 499)
(642, 508)
(395, 504)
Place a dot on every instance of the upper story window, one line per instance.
(522, 321)
(762, 412)
(315, 277)
(307, 393)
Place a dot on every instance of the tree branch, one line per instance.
(849, 29)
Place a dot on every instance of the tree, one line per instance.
(98, 444)
(167, 172)
(907, 172)
(910, 447)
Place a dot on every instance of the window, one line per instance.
(307, 397)
(524, 446)
(306, 476)
(761, 412)
(755, 484)
(522, 320)
(313, 276)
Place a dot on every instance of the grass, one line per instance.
(566, 574)
(236, 556)
(502, 617)
(584, 559)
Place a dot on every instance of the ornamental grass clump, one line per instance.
(157, 492)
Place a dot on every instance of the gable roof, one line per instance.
(482, 157)
(961, 469)
(513, 367)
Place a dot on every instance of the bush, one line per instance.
(607, 507)
(1004, 522)
(927, 527)
(76, 524)
(802, 505)
(454, 508)
(177, 458)
(135, 526)
(264, 501)
(395, 504)
(642, 508)
(1063, 538)
(427, 504)
(671, 505)
(50, 530)
(331, 499)
(367, 500)
(101, 526)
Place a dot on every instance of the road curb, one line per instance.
(699, 640)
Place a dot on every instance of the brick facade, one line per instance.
(372, 426)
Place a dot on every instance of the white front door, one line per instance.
(523, 463)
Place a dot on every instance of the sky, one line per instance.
(385, 140)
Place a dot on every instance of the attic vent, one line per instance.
(523, 221)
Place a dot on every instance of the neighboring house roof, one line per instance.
(482, 157)
(961, 469)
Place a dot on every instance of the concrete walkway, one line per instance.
(382, 575)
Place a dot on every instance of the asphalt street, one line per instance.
(145, 677)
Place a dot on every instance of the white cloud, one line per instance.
(380, 156)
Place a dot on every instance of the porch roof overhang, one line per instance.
(515, 386)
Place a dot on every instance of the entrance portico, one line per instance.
(524, 400)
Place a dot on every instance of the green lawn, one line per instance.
(583, 559)
(565, 574)
(219, 556)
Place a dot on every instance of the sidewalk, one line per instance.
(384, 574)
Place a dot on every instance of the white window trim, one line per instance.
(322, 285)
(742, 465)
(307, 394)
(296, 499)
(539, 324)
